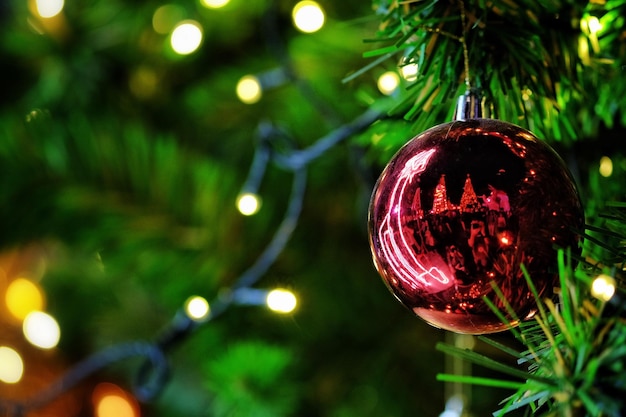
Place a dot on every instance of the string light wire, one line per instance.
(273, 145)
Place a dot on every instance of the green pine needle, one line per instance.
(575, 359)
(525, 56)
(474, 380)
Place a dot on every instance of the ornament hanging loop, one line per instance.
(471, 105)
(463, 40)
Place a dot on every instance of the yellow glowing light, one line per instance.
(22, 297)
(11, 365)
(606, 166)
(143, 82)
(591, 26)
(165, 18)
(249, 89)
(186, 37)
(49, 8)
(281, 301)
(603, 287)
(409, 71)
(214, 4)
(583, 50)
(526, 94)
(114, 406)
(41, 330)
(248, 204)
(308, 16)
(594, 25)
(112, 401)
(197, 308)
(388, 82)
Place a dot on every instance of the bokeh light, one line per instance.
(11, 365)
(409, 70)
(388, 82)
(606, 166)
(186, 37)
(583, 50)
(197, 308)
(49, 8)
(22, 297)
(248, 204)
(109, 400)
(143, 82)
(41, 330)
(249, 89)
(281, 301)
(214, 4)
(603, 287)
(308, 16)
(591, 25)
(166, 17)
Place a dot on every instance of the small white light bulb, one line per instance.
(308, 16)
(214, 4)
(248, 204)
(41, 330)
(49, 8)
(186, 37)
(603, 287)
(197, 308)
(11, 365)
(249, 89)
(281, 301)
(594, 25)
(409, 72)
(388, 82)
(606, 166)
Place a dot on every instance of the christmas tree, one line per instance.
(184, 197)
(441, 203)
(469, 200)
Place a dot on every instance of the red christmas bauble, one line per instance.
(460, 207)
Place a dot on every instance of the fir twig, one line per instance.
(524, 56)
(576, 363)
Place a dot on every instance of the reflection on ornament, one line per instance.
(458, 209)
(394, 246)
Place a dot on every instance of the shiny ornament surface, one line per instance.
(458, 209)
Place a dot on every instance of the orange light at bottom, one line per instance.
(109, 400)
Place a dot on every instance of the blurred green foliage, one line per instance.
(126, 159)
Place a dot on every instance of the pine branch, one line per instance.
(575, 358)
(525, 57)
